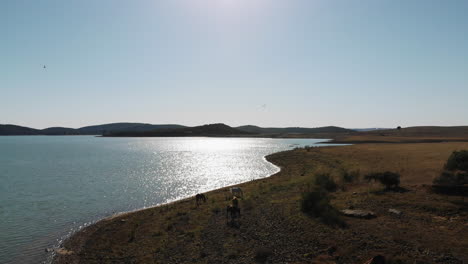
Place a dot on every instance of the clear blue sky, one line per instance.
(366, 63)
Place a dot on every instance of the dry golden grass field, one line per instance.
(432, 228)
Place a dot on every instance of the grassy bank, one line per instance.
(432, 228)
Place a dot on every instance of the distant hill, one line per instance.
(55, 131)
(11, 130)
(119, 127)
(293, 130)
(205, 130)
(369, 129)
(423, 131)
(165, 130)
(417, 134)
(88, 130)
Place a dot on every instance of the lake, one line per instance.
(52, 186)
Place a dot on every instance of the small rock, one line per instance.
(354, 193)
(394, 211)
(48, 249)
(359, 213)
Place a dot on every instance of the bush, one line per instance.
(458, 160)
(308, 148)
(350, 176)
(451, 178)
(317, 203)
(455, 174)
(388, 178)
(326, 182)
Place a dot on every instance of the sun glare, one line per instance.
(236, 8)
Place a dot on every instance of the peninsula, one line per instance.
(409, 224)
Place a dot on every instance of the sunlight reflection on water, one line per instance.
(54, 185)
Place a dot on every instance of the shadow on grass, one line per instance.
(452, 190)
(233, 224)
(332, 217)
(462, 204)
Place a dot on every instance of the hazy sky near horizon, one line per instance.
(367, 63)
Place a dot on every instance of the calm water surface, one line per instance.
(52, 186)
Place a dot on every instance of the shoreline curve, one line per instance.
(77, 239)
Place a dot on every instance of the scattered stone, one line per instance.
(359, 213)
(394, 211)
(376, 260)
(48, 249)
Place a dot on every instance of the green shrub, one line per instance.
(316, 203)
(326, 182)
(456, 170)
(458, 160)
(451, 178)
(388, 178)
(350, 176)
(308, 148)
